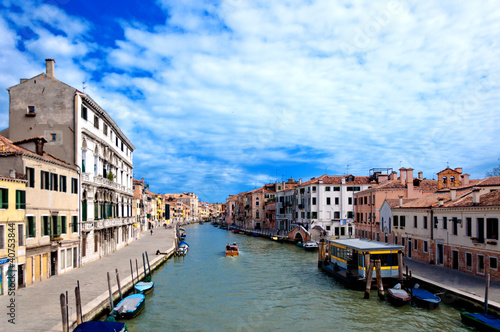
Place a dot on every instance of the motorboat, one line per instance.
(129, 307)
(232, 250)
(310, 246)
(398, 296)
(424, 298)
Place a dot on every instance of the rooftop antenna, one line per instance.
(347, 171)
(84, 86)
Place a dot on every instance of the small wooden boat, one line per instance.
(310, 246)
(129, 307)
(425, 299)
(232, 250)
(144, 287)
(398, 296)
(482, 322)
(182, 249)
(98, 326)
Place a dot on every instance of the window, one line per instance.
(402, 222)
(31, 230)
(336, 201)
(74, 186)
(468, 261)
(31, 110)
(314, 200)
(45, 180)
(62, 183)
(336, 215)
(75, 224)
(20, 234)
(20, 199)
(415, 244)
(435, 222)
(75, 257)
(96, 122)
(415, 222)
(53, 182)
(328, 201)
(425, 222)
(445, 222)
(468, 227)
(454, 226)
(63, 224)
(122, 146)
(395, 220)
(395, 240)
(492, 228)
(68, 258)
(30, 177)
(327, 188)
(105, 129)
(84, 112)
(426, 246)
(493, 263)
(4, 198)
(336, 188)
(2, 237)
(53, 137)
(349, 200)
(116, 141)
(315, 215)
(45, 226)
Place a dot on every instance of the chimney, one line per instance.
(440, 202)
(300, 181)
(458, 170)
(383, 178)
(453, 193)
(465, 179)
(283, 185)
(400, 200)
(420, 175)
(402, 173)
(393, 176)
(12, 173)
(476, 196)
(39, 146)
(409, 182)
(50, 67)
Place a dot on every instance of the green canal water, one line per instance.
(270, 287)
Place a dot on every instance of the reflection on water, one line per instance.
(270, 286)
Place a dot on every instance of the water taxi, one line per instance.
(348, 259)
(232, 250)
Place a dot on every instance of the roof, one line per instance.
(7, 147)
(490, 199)
(393, 202)
(337, 180)
(360, 244)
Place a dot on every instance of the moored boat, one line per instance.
(144, 287)
(424, 298)
(129, 307)
(232, 250)
(310, 246)
(98, 326)
(398, 296)
(182, 249)
(482, 322)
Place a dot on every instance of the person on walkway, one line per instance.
(151, 231)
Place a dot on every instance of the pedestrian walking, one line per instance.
(151, 231)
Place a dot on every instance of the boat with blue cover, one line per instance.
(129, 307)
(482, 322)
(98, 326)
(424, 298)
(144, 287)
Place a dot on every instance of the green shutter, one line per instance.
(84, 210)
(63, 225)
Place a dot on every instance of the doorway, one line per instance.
(53, 263)
(454, 254)
(440, 253)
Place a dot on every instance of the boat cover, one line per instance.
(425, 295)
(183, 243)
(98, 326)
(401, 292)
(486, 319)
(143, 286)
(129, 304)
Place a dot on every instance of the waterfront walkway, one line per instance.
(455, 281)
(38, 306)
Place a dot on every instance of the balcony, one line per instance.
(87, 226)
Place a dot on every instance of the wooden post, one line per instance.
(137, 269)
(110, 294)
(67, 312)
(321, 252)
(486, 293)
(369, 275)
(400, 266)
(380, 285)
(132, 273)
(407, 276)
(144, 265)
(118, 282)
(149, 266)
(64, 309)
(78, 304)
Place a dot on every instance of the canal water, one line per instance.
(270, 287)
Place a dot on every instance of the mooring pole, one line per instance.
(110, 293)
(67, 312)
(380, 284)
(64, 308)
(144, 265)
(132, 273)
(149, 266)
(137, 269)
(118, 282)
(486, 293)
(369, 276)
(78, 303)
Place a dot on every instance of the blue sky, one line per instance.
(220, 97)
